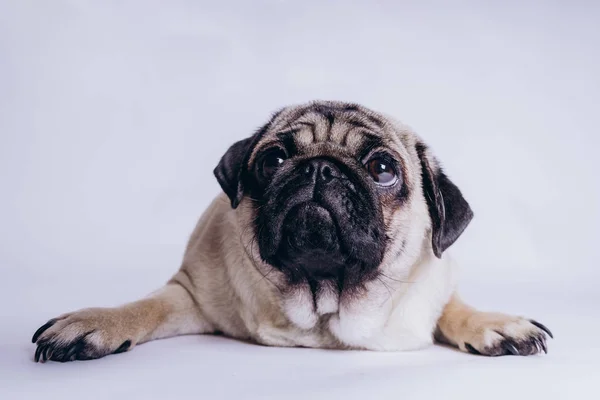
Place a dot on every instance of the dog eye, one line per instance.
(271, 161)
(382, 171)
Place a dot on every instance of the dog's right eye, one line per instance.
(272, 161)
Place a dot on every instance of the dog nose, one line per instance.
(320, 170)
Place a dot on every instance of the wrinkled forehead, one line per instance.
(348, 128)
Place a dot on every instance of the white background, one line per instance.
(114, 113)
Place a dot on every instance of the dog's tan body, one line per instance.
(223, 286)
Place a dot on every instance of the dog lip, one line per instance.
(309, 227)
(318, 213)
(324, 215)
(311, 204)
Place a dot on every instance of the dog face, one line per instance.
(335, 191)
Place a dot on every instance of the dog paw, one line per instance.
(498, 334)
(82, 335)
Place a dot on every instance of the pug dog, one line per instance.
(333, 232)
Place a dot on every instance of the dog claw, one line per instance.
(38, 351)
(510, 348)
(472, 349)
(544, 347)
(542, 327)
(42, 329)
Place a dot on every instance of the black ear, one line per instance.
(449, 211)
(229, 171)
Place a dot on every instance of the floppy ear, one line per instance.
(229, 171)
(449, 211)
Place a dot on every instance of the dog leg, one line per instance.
(96, 332)
(490, 334)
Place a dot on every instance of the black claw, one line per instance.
(508, 346)
(38, 351)
(51, 352)
(123, 347)
(69, 353)
(45, 353)
(472, 349)
(42, 329)
(543, 344)
(542, 327)
(46, 350)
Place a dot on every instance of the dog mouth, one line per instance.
(310, 246)
(310, 226)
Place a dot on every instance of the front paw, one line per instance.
(498, 334)
(82, 335)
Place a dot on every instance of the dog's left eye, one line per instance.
(272, 161)
(382, 171)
